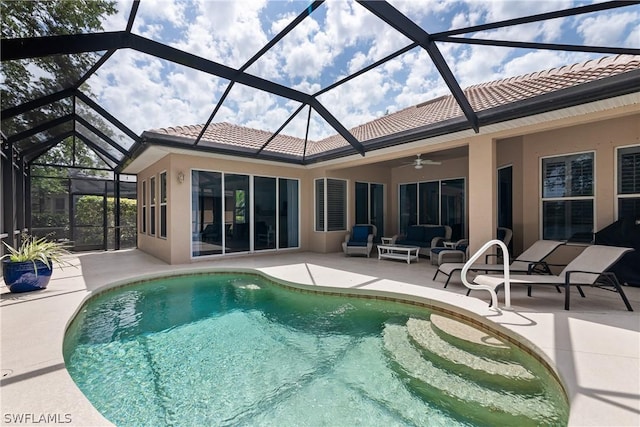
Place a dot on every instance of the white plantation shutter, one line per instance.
(629, 171)
(568, 197)
(629, 182)
(319, 204)
(336, 205)
(331, 200)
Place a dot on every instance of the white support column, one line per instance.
(482, 192)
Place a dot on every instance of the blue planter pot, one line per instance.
(21, 276)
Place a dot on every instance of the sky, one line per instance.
(337, 39)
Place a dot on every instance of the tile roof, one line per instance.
(482, 97)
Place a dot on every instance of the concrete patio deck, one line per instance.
(595, 347)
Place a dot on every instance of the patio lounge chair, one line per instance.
(529, 261)
(360, 240)
(587, 269)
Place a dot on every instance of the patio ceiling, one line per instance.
(68, 110)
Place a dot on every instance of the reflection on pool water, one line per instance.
(236, 349)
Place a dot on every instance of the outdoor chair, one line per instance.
(453, 253)
(360, 240)
(587, 269)
(529, 261)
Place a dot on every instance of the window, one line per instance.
(434, 202)
(370, 206)
(152, 206)
(629, 182)
(163, 205)
(331, 205)
(60, 204)
(143, 225)
(568, 197)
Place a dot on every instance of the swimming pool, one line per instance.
(238, 349)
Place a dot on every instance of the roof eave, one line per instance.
(598, 90)
(593, 91)
(173, 141)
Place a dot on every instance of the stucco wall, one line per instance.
(332, 241)
(176, 249)
(158, 247)
(601, 137)
(522, 152)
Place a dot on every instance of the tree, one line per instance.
(27, 18)
(25, 80)
(29, 79)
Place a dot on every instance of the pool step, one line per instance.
(494, 373)
(481, 405)
(469, 338)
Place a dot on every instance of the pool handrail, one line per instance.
(492, 291)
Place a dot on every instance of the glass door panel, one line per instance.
(264, 213)
(452, 207)
(376, 192)
(206, 213)
(408, 206)
(236, 213)
(288, 213)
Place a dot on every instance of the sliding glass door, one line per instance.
(229, 215)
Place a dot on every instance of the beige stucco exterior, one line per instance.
(476, 158)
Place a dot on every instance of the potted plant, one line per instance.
(28, 267)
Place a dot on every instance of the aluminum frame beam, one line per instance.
(411, 30)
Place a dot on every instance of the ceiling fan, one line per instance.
(418, 162)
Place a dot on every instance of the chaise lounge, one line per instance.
(529, 261)
(587, 269)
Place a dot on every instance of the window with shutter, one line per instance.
(152, 206)
(143, 222)
(629, 182)
(319, 204)
(163, 205)
(336, 205)
(331, 203)
(567, 197)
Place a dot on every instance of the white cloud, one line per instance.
(611, 29)
(145, 93)
(170, 11)
(422, 8)
(338, 38)
(359, 100)
(118, 21)
(539, 61)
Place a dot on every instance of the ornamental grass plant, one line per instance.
(38, 249)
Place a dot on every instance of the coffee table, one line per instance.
(403, 252)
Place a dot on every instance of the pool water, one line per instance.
(236, 349)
